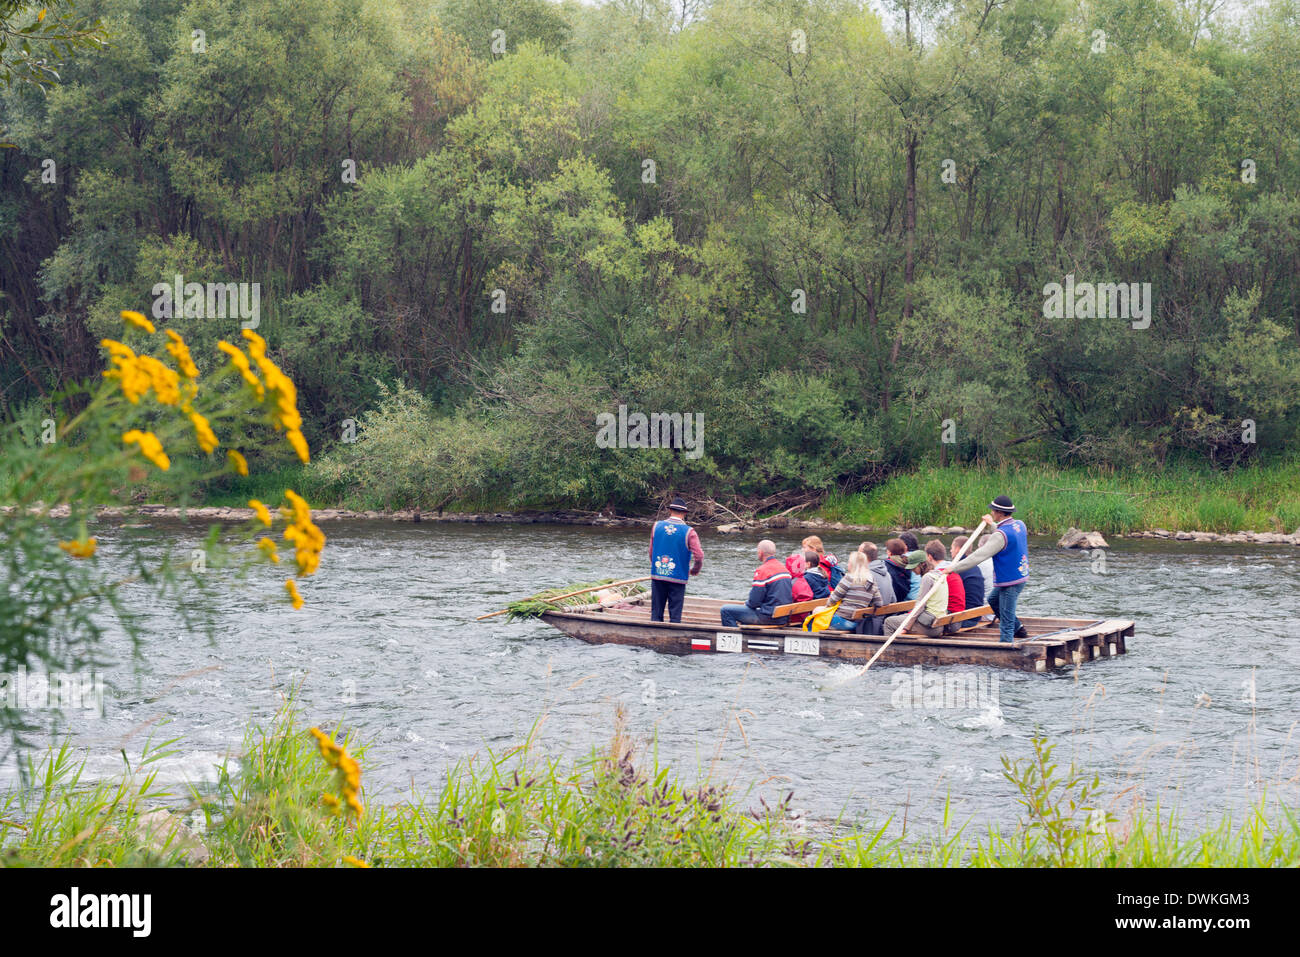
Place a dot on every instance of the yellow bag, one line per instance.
(822, 620)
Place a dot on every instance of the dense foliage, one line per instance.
(824, 227)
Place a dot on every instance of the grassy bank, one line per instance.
(1261, 498)
(613, 809)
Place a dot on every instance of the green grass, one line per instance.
(1051, 500)
(611, 809)
(268, 486)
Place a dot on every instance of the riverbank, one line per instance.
(285, 804)
(1261, 498)
(1255, 505)
(137, 513)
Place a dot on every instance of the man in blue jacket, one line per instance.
(673, 544)
(1008, 546)
(771, 587)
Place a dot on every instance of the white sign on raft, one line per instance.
(728, 641)
(802, 646)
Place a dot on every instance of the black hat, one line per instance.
(1002, 504)
(678, 505)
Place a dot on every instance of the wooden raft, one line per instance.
(1052, 643)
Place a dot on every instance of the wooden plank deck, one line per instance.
(1052, 643)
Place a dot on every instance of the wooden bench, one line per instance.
(781, 611)
(897, 608)
(966, 615)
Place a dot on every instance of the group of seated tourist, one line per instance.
(906, 572)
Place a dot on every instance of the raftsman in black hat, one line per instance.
(678, 505)
(1002, 504)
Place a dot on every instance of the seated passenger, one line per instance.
(771, 587)
(884, 581)
(857, 589)
(914, 557)
(896, 565)
(829, 563)
(956, 590)
(972, 580)
(933, 596)
(800, 590)
(815, 575)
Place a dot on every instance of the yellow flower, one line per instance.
(256, 344)
(166, 384)
(355, 862)
(349, 772)
(299, 444)
(237, 461)
(240, 362)
(181, 353)
(80, 549)
(283, 393)
(203, 432)
(292, 589)
(306, 536)
(140, 373)
(126, 368)
(268, 548)
(138, 320)
(262, 511)
(150, 447)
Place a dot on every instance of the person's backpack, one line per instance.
(833, 574)
(821, 620)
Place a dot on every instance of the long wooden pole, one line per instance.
(917, 608)
(580, 591)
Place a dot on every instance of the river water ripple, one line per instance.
(1200, 714)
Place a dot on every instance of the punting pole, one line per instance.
(916, 609)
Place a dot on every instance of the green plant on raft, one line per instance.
(552, 599)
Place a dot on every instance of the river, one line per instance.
(1200, 714)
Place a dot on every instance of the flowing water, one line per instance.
(1199, 714)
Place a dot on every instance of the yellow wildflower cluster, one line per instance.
(207, 439)
(138, 320)
(282, 396)
(274, 388)
(305, 535)
(240, 362)
(137, 374)
(268, 549)
(354, 861)
(349, 771)
(80, 549)
(150, 447)
(181, 353)
(262, 511)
